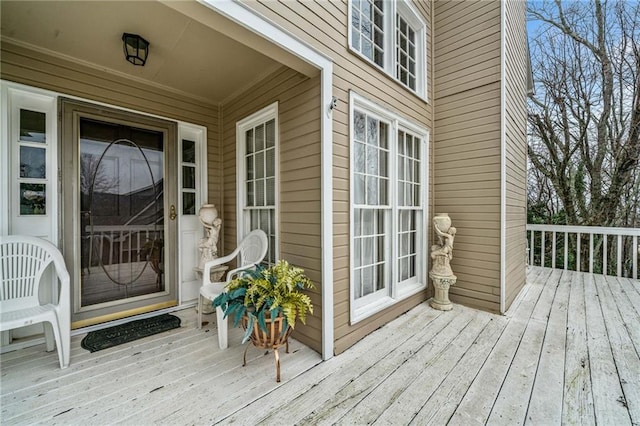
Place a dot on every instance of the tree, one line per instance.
(584, 118)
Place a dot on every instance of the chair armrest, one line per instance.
(206, 271)
(234, 272)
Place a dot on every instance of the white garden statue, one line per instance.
(441, 255)
(208, 246)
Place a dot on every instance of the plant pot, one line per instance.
(273, 338)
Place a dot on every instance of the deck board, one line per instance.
(567, 352)
(608, 397)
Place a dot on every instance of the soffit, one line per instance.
(185, 55)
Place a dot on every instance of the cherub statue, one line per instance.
(442, 253)
(209, 246)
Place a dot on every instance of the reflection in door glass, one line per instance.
(122, 214)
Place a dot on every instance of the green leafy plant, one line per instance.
(267, 292)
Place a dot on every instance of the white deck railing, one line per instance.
(610, 251)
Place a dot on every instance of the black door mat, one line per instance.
(128, 332)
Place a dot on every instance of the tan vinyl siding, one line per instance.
(324, 25)
(467, 134)
(299, 150)
(37, 69)
(516, 148)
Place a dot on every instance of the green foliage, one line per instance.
(276, 290)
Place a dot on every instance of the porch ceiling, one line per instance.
(185, 55)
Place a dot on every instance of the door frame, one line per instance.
(70, 111)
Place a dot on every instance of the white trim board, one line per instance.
(503, 159)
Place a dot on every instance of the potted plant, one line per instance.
(267, 302)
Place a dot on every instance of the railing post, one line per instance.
(619, 272)
(542, 248)
(566, 250)
(635, 257)
(605, 254)
(553, 251)
(531, 248)
(591, 253)
(578, 238)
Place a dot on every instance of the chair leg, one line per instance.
(63, 349)
(199, 320)
(49, 336)
(222, 328)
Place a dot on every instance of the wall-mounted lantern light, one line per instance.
(136, 49)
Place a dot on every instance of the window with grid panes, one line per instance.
(259, 157)
(392, 35)
(387, 209)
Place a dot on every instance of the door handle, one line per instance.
(172, 212)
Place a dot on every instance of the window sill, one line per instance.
(363, 312)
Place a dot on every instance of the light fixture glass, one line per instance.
(136, 48)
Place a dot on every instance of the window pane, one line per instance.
(383, 198)
(372, 131)
(189, 177)
(32, 126)
(380, 249)
(359, 126)
(372, 160)
(259, 165)
(270, 133)
(254, 219)
(383, 164)
(372, 191)
(367, 250)
(264, 221)
(367, 222)
(188, 203)
(367, 280)
(250, 168)
(270, 158)
(357, 283)
(383, 135)
(260, 192)
(357, 252)
(33, 199)
(188, 151)
(367, 48)
(250, 194)
(358, 188)
(381, 277)
(33, 162)
(259, 134)
(249, 138)
(359, 157)
(271, 192)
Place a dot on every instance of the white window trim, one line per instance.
(367, 306)
(15, 97)
(197, 134)
(265, 114)
(409, 13)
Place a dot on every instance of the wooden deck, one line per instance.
(567, 352)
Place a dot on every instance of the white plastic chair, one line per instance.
(251, 250)
(23, 260)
